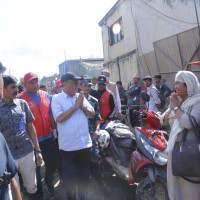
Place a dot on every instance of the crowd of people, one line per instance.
(62, 129)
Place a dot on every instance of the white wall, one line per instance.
(153, 26)
(128, 43)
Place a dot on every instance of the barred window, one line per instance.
(116, 32)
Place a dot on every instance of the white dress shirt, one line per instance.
(73, 134)
(154, 98)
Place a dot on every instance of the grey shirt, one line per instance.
(12, 118)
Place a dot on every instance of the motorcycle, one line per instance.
(138, 157)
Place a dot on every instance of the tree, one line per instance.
(21, 81)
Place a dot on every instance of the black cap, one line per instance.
(147, 78)
(158, 76)
(86, 81)
(102, 79)
(69, 76)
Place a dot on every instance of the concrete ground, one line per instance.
(121, 190)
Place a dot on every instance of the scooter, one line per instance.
(140, 157)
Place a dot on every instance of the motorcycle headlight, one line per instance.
(159, 157)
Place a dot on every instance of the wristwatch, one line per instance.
(176, 108)
(38, 151)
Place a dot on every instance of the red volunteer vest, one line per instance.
(104, 106)
(41, 112)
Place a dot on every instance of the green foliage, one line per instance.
(21, 81)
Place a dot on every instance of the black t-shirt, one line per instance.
(7, 165)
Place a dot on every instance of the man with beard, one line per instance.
(8, 169)
(40, 105)
(17, 127)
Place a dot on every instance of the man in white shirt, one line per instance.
(71, 111)
(154, 103)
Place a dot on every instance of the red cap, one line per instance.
(29, 76)
(58, 83)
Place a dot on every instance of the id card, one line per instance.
(21, 126)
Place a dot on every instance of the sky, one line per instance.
(35, 34)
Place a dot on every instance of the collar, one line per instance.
(3, 103)
(66, 95)
(150, 86)
(89, 97)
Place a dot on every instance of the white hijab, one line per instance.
(193, 90)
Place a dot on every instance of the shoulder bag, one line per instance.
(186, 154)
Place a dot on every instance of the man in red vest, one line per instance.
(106, 101)
(39, 103)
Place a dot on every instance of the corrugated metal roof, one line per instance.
(83, 60)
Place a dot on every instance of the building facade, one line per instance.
(132, 33)
(90, 67)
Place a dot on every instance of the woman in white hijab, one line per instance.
(185, 100)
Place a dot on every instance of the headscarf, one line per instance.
(191, 81)
(193, 90)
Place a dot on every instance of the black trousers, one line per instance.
(50, 157)
(76, 172)
(133, 117)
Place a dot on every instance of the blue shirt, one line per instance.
(35, 98)
(91, 122)
(7, 165)
(73, 133)
(133, 95)
(163, 89)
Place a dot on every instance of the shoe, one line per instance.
(35, 196)
(50, 190)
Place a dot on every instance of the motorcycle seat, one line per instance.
(121, 132)
(125, 142)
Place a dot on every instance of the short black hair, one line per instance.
(20, 88)
(158, 76)
(119, 82)
(7, 80)
(43, 86)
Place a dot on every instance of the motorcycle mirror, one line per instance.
(145, 97)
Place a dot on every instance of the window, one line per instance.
(116, 32)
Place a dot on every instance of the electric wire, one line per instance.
(167, 15)
(138, 39)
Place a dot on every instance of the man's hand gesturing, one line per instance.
(79, 100)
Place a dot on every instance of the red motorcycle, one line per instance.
(139, 157)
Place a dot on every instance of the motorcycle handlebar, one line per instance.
(141, 114)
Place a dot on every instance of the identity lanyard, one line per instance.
(21, 123)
